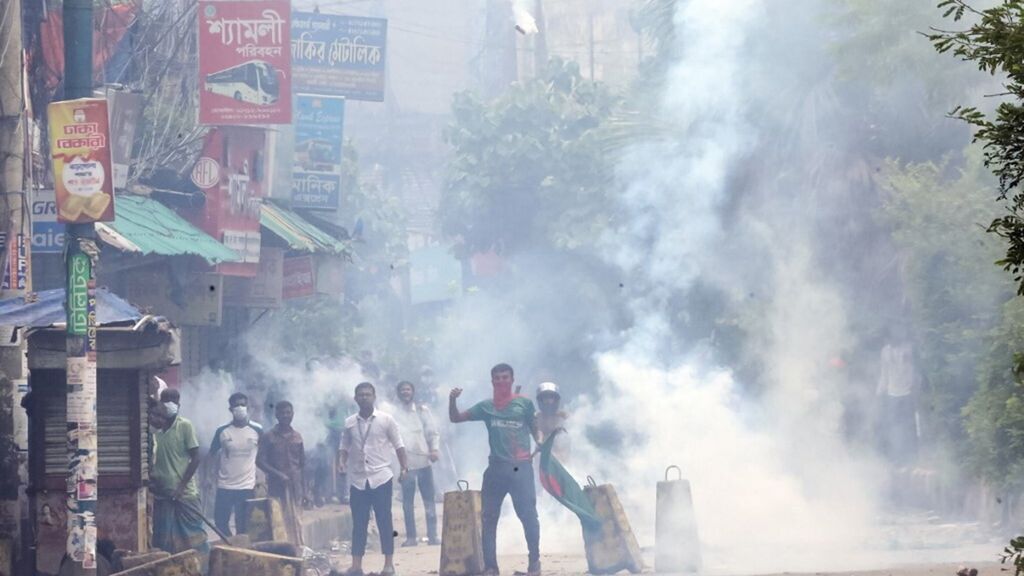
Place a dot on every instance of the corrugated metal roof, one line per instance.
(299, 233)
(46, 308)
(146, 226)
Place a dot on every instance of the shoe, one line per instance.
(435, 541)
(388, 571)
(533, 569)
(490, 572)
(353, 572)
(408, 543)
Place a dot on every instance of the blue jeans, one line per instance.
(229, 501)
(379, 499)
(425, 478)
(516, 480)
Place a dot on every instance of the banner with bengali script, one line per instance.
(316, 172)
(80, 151)
(339, 55)
(244, 64)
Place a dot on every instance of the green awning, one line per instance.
(299, 233)
(146, 226)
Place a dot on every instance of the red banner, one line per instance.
(245, 62)
(299, 277)
(80, 150)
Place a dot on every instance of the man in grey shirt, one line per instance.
(422, 448)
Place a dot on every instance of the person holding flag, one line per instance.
(510, 421)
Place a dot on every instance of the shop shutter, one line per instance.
(118, 396)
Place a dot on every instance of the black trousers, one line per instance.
(425, 478)
(362, 501)
(228, 502)
(516, 480)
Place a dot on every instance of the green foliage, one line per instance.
(936, 213)
(528, 168)
(995, 43)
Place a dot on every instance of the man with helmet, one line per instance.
(550, 418)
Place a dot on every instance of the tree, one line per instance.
(995, 43)
(527, 167)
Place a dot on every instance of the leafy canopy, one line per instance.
(995, 43)
(528, 167)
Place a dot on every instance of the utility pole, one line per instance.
(13, 431)
(80, 304)
(590, 35)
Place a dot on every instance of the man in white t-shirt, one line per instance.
(234, 451)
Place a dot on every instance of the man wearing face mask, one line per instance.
(176, 524)
(233, 453)
(511, 421)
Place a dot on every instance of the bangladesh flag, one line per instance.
(560, 484)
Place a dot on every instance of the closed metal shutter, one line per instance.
(117, 405)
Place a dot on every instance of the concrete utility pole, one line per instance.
(13, 433)
(80, 303)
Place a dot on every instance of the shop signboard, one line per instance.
(339, 55)
(244, 64)
(235, 175)
(435, 275)
(299, 277)
(263, 290)
(47, 233)
(316, 172)
(80, 152)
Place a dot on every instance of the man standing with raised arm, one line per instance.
(510, 421)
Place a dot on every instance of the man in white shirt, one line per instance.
(422, 447)
(234, 451)
(365, 456)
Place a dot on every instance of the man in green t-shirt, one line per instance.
(177, 525)
(510, 421)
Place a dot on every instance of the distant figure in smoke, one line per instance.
(282, 456)
(510, 421)
(551, 417)
(369, 439)
(177, 525)
(897, 383)
(233, 454)
(422, 447)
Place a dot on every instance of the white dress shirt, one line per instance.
(370, 442)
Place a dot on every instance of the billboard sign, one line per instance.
(244, 64)
(316, 172)
(339, 55)
(80, 153)
(299, 279)
(47, 233)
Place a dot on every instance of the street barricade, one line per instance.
(676, 546)
(611, 546)
(462, 552)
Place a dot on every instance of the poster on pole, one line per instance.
(80, 154)
(244, 64)
(316, 172)
(339, 55)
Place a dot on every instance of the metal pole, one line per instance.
(80, 304)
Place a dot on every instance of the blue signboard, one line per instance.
(47, 233)
(339, 55)
(316, 172)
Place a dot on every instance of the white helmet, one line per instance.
(548, 388)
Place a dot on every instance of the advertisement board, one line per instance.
(316, 167)
(47, 233)
(244, 64)
(299, 280)
(339, 55)
(262, 291)
(80, 154)
(125, 116)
